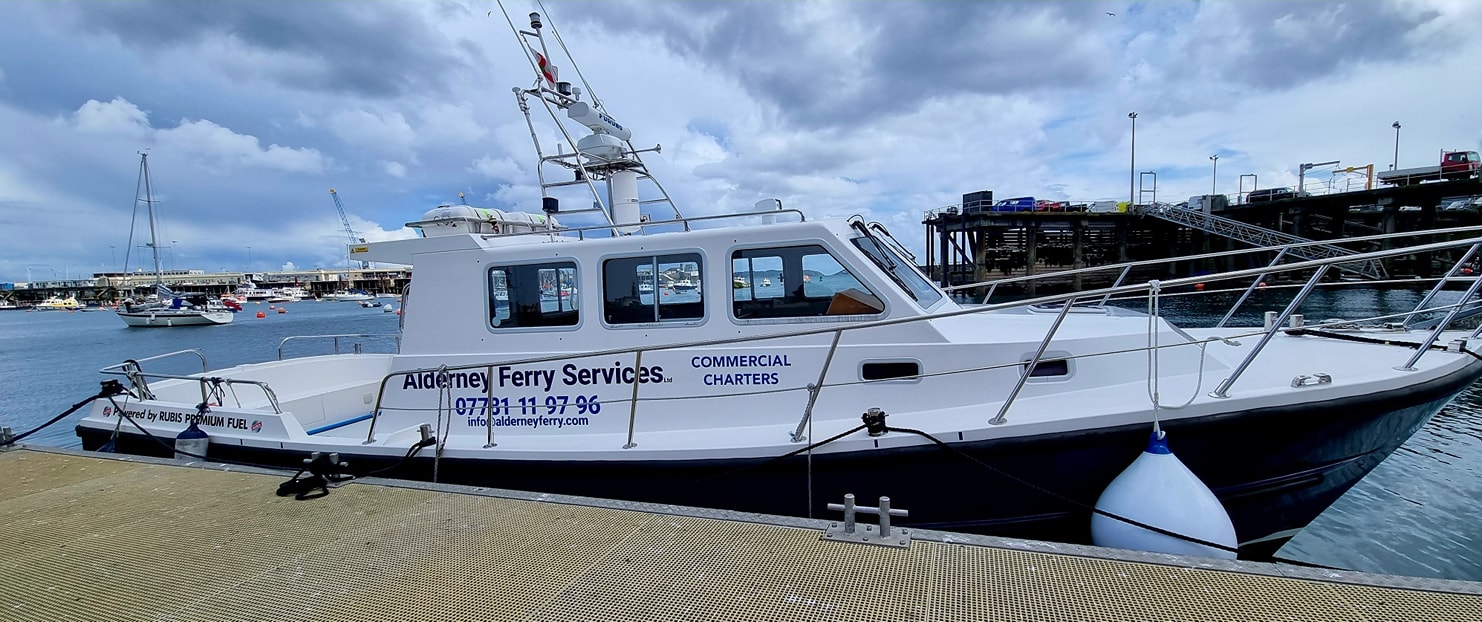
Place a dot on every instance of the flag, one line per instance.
(163, 291)
(547, 68)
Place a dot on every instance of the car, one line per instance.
(1020, 204)
(1270, 194)
(1409, 208)
(1460, 204)
(1043, 205)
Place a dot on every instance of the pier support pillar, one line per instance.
(1122, 233)
(945, 242)
(981, 269)
(1031, 254)
(1077, 250)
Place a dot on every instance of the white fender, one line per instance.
(1157, 489)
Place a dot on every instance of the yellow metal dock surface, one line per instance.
(94, 538)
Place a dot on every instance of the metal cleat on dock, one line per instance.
(883, 536)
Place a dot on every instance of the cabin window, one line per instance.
(796, 281)
(1045, 369)
(533, 295)
(890, 370)
(904, 273)
(655, 288)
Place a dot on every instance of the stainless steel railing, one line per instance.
(336, 340)
(1320, 266)
(139, 379)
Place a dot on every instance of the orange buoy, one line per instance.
(261, 315)
(1262, 284)
(282, 310)
(1199, 287)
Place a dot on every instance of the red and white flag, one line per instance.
(547, 68)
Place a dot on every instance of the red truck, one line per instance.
(1454, 165)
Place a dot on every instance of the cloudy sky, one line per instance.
(252, 111)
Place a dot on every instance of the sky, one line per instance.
(252, 111)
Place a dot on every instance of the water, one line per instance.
(1412, 516)
(49, 360)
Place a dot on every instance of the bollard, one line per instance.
(884, 535)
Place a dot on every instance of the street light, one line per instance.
(249, 258)
(1396, 125)
(1214, 176)
(1132, 172)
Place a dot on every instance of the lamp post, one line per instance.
(1214, 175)
(249, 258)
(1132, 172)
(1396, 164)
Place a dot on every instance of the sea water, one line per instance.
(1413, 515)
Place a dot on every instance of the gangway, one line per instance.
(1261, 236)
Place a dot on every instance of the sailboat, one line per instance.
(165, 308)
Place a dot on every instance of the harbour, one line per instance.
(640, 404)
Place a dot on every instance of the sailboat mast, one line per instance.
(154, 243)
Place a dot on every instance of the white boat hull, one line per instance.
(168, 318)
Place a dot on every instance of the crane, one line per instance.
(344, 220)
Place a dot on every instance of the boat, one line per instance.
(248, 291)
(164, 308)
(6, 305)
(57, 303)
(868, 379)
(349, 295)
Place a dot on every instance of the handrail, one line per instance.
(1033, 362)
(1222, 391)
(132, 370)
(580, 231)
(1229, 253)
(1441, 283)
(196, 351)
(1068, 300)
(632, 408)
(207, 380)
(816, 388)
(1256, 282)
(987, 308)
(1436, 332)
(336, 339)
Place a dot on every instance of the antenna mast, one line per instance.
(606, 155)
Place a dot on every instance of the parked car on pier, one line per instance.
(1020, 204)
(1270, 194)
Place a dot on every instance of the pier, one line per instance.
(90, 536)
(972, 243)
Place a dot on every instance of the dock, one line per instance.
(92, 536)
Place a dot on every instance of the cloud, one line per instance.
(227, 148)
(381, 132)
(375, 50)
(497, 168)
(395, 169)
(118, 116)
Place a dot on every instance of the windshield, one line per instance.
(904, 273)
